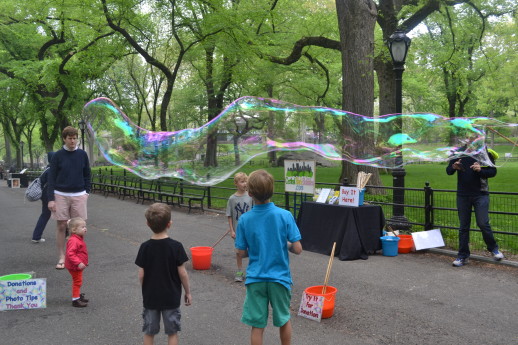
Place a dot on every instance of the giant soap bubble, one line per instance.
(253, 126)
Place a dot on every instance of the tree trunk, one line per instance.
(356, 21)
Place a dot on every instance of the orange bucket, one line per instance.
(406, 243)
(329, 298)
(201, 257)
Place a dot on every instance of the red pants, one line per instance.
(77, 281)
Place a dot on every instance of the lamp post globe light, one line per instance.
(82, 127)
(398, 44)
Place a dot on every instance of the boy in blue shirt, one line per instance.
(267, 233)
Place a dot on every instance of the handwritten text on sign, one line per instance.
(349, 196)
(311, 306)
(23, 294)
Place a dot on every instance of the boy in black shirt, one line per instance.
(162, 274)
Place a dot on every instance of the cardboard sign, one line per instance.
(428, 239)
(15, 183)
(311, 306)
(299, 176)
(23, 294)
(351, 196)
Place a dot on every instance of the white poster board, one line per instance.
(23, 294)
(324, 194)
(350, 196)
(428, 239)
(311, 306)
(299, 176)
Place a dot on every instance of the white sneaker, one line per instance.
(497, 255)
(459, 262)
(41, 240)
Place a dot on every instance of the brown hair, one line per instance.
(69, 131)
(260, 185)
(73, 224)
(240, 175)
(158, 215)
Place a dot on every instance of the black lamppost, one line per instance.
(21, 153)
(398, 44)
(82, 127)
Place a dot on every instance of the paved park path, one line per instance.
(416, 298)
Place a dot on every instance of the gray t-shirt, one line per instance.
(237, 205)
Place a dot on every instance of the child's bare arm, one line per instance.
(231, 227)
(141, 275)
(184, 278)
(295, 247)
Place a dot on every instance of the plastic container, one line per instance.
(16, 276)
(329, 298)
(405, 245)
(389, 245)
(201, 257)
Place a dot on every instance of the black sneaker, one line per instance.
(82, 298)
(79, 304)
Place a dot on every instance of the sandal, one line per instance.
(60, 266)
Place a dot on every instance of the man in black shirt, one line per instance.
(473, 193)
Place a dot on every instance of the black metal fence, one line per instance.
(424, 208)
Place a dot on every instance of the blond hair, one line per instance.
(260, 185)
(73, 224)
(239, 176)
(158, 216)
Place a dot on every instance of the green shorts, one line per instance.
(258, 297)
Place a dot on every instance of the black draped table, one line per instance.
(356, 230)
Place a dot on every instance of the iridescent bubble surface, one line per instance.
(253, 126)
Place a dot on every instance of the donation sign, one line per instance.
(23, 294)
(311, 306)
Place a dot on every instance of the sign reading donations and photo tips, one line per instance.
(23, 294)
(311, 306)
(299, 176)
(351, 196)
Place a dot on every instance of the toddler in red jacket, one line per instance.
(76, 259)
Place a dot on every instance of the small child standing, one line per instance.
(76, 259)
(267, 232)
(162, 274)
(238, 203)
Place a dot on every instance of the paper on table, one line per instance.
(324, 193)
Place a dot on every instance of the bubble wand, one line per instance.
(221, 238)
(329, 265)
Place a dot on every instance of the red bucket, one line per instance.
(329, 298)
(405, 245)
(201, 257)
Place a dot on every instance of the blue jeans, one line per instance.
(42, 221)
(480, 204)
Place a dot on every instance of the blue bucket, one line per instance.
(389, 245)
